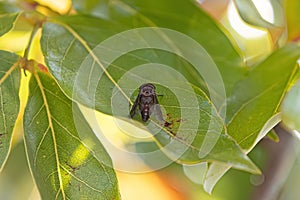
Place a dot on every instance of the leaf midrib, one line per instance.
(40, 85)
(95, 58)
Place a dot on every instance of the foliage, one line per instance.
(66, 158)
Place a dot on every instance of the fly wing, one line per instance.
(134, 108)
(157, 111)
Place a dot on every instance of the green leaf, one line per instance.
(94, 7)
(291, 108)
(7, 22)
(8, 17)
(129, 14)
(63, 165)
(257, 98)
(253, 108)
(67, 42)
(9, 101)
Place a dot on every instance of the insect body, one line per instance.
(146, 102)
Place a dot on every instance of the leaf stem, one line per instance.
(33, 32)
(25, 63)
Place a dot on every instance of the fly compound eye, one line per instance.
(147, 91)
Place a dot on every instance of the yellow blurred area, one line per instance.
(8, 41)
(147, 186)
(60, 6)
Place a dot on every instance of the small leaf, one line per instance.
(214, 173)
(61, 162)
(9, 100)
(8, 16)
(196, 173)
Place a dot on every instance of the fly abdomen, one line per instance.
(145, 112)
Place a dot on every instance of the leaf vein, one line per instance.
(2, 110)
(40, 144)
(90, 51)
(248, 136)
(80, 141)
(57, 97)
(67, 51)
(83, 182)
(251, 100)
(8, 73)
(35, 115)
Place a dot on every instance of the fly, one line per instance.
(146, 103)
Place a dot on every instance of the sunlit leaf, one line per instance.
(254, 111)
(257, 98)
(63, 165)
(9, 100)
